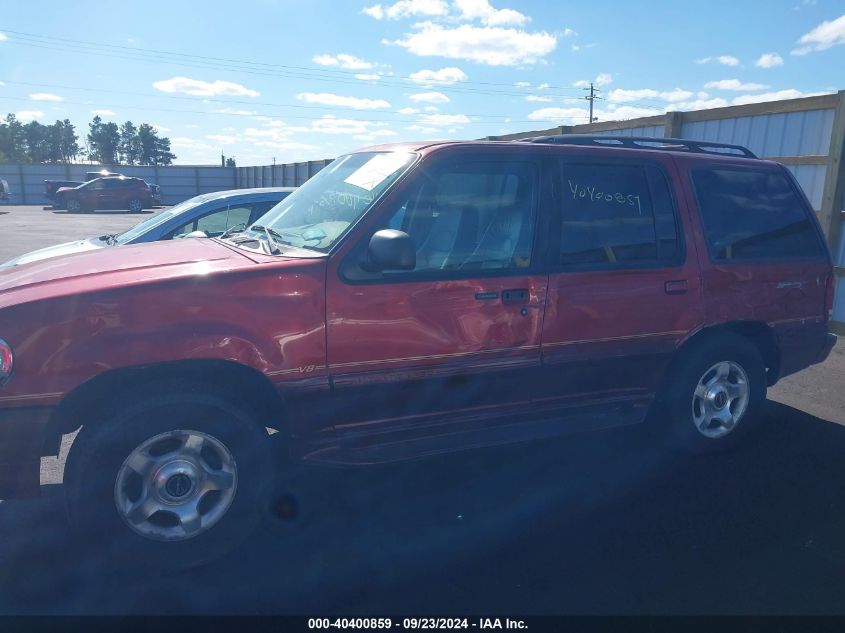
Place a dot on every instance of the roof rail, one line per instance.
(647, 142)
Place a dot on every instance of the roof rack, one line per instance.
(647, 142)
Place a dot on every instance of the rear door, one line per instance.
(624, 287)
(763, 254)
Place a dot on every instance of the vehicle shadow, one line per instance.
(596, 523)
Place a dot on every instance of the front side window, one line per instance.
(753, 214)
(616, 216)
(470, 217)
(319, 212)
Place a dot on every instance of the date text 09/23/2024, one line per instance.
(416, 623)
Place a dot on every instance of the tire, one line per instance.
(200, 457)
(136, 205)
(73, 206)
(703, 407)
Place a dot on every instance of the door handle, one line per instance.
(519, 295)
(676, 287)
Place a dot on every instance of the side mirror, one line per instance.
(390, 250)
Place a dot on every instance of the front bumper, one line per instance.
(21, 440)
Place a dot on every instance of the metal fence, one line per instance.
(178, 182)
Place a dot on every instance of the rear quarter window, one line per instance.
(754, 214)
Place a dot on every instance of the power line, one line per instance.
(249, 67)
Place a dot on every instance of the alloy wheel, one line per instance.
(176, 485)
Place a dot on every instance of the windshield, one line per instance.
(320, 211)
(157, 220)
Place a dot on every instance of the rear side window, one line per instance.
(617, 216)
(753, 214)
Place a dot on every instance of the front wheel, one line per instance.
(713, 396)
(170, 482)
(73, 206)
(136, 205)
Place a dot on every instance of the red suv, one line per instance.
(407, 301)
(117, 192)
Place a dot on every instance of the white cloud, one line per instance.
(422, 129)
(602, 79)
(199, 88)
(523, 84)
(725, 60)
(733, 84)
(543, 86)
(769, 60)
(621, 113)
(495, 46)
(431, 109)
(333, 125)
(538, 99)
(408, 111)
(438, 120)
(481, 10)
(407, 8)
(223, 139)
(103, 112)
(3, 37)
(567, 32)
(621, 95)
(825, 35)
(343, 60)
(699, 104)
(368, 76)
(327, 98)
(234, 111)
(45, 96)
(443, 77)
(429, 97)
(790, 93)
(371, 136)
(161, 128)
(564, 115)
(28, 115)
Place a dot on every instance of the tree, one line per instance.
(129, 149)
(67, 140)
(103, 141)
(155, 150)
(230, 162)
(12, 140)
(37, 139)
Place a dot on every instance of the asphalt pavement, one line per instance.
(601, 523)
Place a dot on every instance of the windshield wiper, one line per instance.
(110, 240)
(237, 228)
(272, 236)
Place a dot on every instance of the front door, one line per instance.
(624, 285)
(458, 335)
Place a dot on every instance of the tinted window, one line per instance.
(616, 216)
(753, 214)
(471, 217)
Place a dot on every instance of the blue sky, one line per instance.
(295, 80)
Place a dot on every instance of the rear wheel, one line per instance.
(714, 395)
(136, 205)
(170, 482)
(73, 206)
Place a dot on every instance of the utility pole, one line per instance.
(593, 90)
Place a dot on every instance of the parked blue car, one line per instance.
(211, 213)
